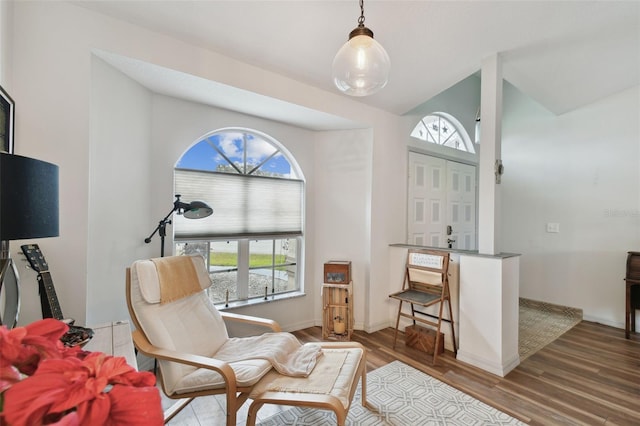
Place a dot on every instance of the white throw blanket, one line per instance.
(282, 350)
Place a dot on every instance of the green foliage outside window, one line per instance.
(255, 260)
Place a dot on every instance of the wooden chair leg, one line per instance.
(175, 408)
(436, 345)
(234, 402)
(231, 418)
(438, 328)
(363, 387)
(395, 334)
(453, 329)
(253, 413)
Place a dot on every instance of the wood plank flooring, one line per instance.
(589, 376)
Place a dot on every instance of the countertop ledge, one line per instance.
(461, 252)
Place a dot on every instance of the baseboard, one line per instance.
(551, 307)
(299, 325)
(377, 326)
(602, 321)
(572, 312)
(492, 367)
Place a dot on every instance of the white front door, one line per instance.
(461, 206)
(441, 203)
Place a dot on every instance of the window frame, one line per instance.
(454, 123)
(243, 267)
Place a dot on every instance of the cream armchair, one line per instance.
(177, 324)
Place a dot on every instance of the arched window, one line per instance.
(443, 129)
(256, 190)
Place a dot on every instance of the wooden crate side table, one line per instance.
(337, 307)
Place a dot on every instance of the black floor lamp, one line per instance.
(192, 210)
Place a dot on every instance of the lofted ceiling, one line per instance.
(563, 54)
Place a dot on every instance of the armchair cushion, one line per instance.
(149, 280)
(165, 324)
(247, 372)
(342, 379)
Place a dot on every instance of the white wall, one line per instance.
(388, 219)
(343, 163)
(60, 86)
(51, 66)
(121, 187)
(6, 44)
(580, 170)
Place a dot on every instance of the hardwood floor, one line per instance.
(589, 376)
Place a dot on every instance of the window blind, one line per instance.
(242, 205)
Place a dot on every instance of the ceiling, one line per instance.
(563, 54)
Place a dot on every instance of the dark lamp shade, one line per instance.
(198, 210)
(28, 198)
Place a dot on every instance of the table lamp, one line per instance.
(28, 209)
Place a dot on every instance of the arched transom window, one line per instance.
(238, 152)
(443, 129)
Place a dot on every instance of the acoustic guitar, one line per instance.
(49, 299)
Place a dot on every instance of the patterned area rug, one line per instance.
(541, 323)
(402, 396)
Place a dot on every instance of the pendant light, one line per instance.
(361, 66)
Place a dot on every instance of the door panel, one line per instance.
(426, 199)
(461, 201)
(441, 193)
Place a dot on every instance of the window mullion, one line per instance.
(450, 136)
(273, 266)
(244, 153)
(243, 269)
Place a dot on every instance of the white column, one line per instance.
(489, 282)
(489, 312)
(490, 138)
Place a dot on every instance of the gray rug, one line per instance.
(402, 396)
(541, 323)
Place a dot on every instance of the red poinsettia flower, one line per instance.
(95, 388)
(8, 376)
(123, 405)
(24, 347)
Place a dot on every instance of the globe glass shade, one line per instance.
(361, 66)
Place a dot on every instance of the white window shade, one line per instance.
(242, 205)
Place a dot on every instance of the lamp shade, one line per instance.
(28, 198)
(197, 210)
(361, 66)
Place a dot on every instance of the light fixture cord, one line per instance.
(361, 18)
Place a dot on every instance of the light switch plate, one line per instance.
(553, 227)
